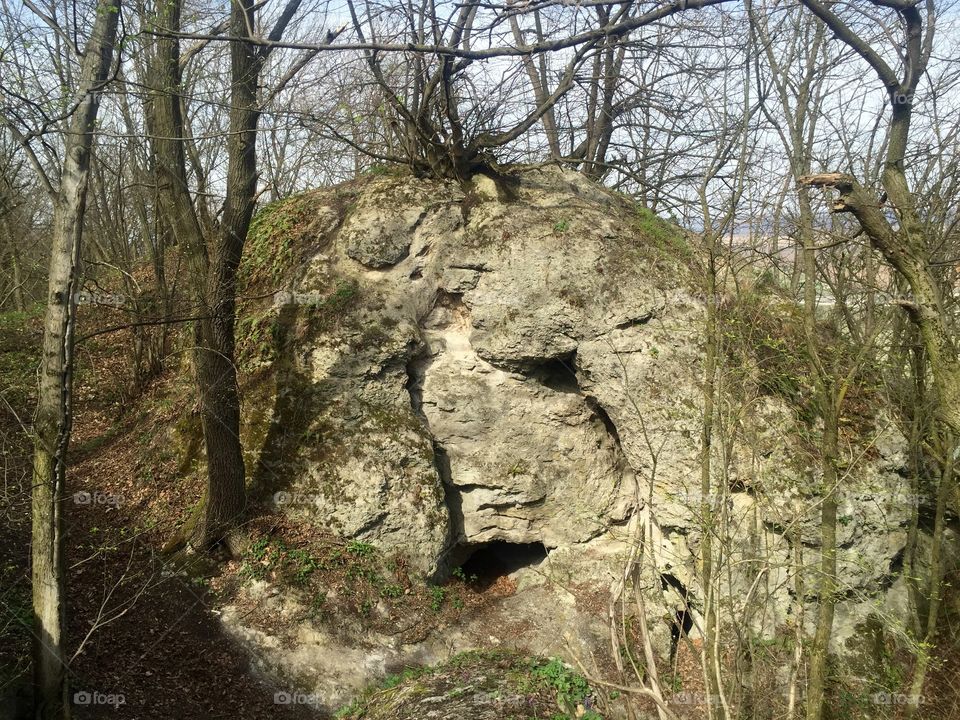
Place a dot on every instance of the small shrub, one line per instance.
(570, 686)
(392, 590)
(360, 549)
(437, 595)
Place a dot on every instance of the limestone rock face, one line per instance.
(379, 231)
(526, 455)
(470, 370)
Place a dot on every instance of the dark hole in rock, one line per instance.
(558, 374)
(489, 562)
(737, 485)
(680, 627)
(604, 418)
(682, 622)
(896, 562)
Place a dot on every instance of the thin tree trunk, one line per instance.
(538, 80)
(226, 498)
(829, 453)
(19, 303)
(706, 484)
(935, 582)
(827, 585)
(54, 411)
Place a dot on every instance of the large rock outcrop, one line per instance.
(457, 370)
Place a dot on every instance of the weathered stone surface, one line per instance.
(380, 230)
(529, 458)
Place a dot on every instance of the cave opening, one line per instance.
(558, 374)
(682, 621)
(485, 564)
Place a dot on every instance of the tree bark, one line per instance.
(54, 412)
(935, 584)
(226, 496)
(706, 473)
(827, 585)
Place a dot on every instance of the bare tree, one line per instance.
(903, 242)
(53, 420)
(213, 252)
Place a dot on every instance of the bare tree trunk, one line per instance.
(827, 585)
(226, 495)
(538, 83)
(829, 410)
(54, 412)
(706, 475)
(19, 302)
(935, 581)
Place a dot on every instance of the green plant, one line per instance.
(518, 468)
(377, 170)
(274, 231)
(460, 574)
(257, 337)
(661, 233)
(570, 686)
(343, 294)
(674, 682)
(258, 551)
(304, 564)
(360, 549)
(255, 563)
(561, 226)
(392, 590)
(437, 595)
(349, 710)
(318, 605)
(410, 673)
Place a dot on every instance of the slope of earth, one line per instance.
(143, 638)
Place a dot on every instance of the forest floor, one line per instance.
(139, 632)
